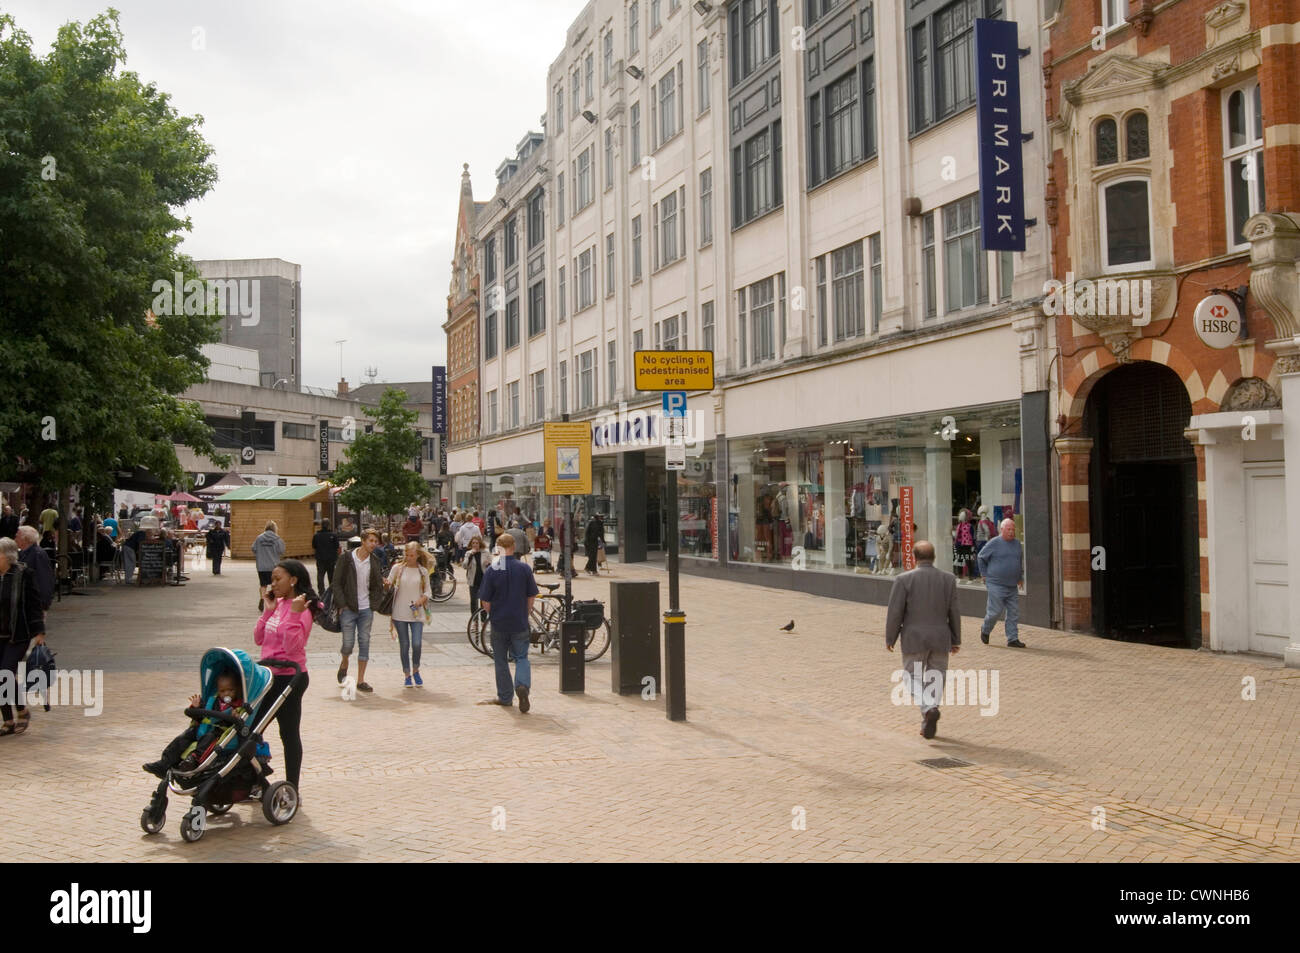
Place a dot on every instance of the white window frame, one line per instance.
(1232, 154)
(609, 158)
(538, 380)
(702, 77)
(706, 207)
(610, 280)
(636, 248)
(1104, 250)
(512, 392)
(1113, 14)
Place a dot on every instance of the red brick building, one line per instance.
(462, 330)
(1175, 177)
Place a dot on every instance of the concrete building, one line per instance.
(274, 434)
(261, 299)
(1175, 168)
(775, 182)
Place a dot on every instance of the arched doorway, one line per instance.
(1144, 508)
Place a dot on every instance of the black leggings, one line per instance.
(289, 718)
(11, 653)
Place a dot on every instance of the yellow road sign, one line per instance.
(673, 370)
(568, 458)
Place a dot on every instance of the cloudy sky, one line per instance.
(339, 130)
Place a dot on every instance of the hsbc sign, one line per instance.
(1217, 320)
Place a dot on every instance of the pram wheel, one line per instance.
(151, 824)
(216, 810)
(193, 824)
(280, 802)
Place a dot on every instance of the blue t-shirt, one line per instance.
(508, 589)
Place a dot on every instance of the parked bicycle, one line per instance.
(442, 580)
(544, 625)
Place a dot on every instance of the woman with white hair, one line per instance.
(268, 549)
(22, 621)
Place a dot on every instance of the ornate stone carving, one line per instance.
(1114, 73)
(1225, 67)
(1250, 393)
(1274, 281)
(1287, 364)
(1223, 15)
(1142, 18)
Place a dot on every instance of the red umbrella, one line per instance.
(178, 498)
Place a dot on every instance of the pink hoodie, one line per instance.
(283, 633)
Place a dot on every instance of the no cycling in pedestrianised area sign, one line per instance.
(673, 370)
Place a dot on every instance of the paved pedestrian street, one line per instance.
(792, 751)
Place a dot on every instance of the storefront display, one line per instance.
(830, 500)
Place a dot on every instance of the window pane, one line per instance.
(1259, 116)
(1107, 142)
(1136, 145)
(1236, 119)
(1240, 194)
(1128, 228)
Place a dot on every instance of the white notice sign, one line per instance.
(675, 456)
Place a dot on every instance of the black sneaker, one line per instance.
(522, 692)
(157, 768)
(984, 637)
(928, 723)
(1016, 644)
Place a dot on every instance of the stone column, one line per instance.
(1075, 455)
(939, 519)
(1288, 369)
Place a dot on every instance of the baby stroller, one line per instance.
(237, 767)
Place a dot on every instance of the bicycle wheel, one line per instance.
(477, 633)
(443, 584)
(597, 641)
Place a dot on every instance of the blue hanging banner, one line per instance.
(1002, 174)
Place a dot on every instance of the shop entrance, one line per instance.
(1144, 508)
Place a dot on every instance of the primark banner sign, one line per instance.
(440, 399)
(1002, 173)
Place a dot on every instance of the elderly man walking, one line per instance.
(923, 611)
(1002, 564)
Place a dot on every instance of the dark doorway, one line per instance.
(1144, 508)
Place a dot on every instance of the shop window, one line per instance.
(837, 493)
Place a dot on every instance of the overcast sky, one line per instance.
(339, 131)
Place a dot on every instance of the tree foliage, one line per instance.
(379, 462)
(95, 169)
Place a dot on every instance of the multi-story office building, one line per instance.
(1176, 177)
(793, 186)
(261, 300)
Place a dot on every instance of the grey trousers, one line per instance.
(923, 673)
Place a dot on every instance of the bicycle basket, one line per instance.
(590, 612)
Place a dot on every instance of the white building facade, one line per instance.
(792, 184)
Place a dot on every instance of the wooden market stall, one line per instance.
(290, 506)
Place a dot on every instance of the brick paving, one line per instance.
(792, 750)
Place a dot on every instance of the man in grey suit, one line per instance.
(923, 608)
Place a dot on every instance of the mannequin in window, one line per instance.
(985, 529)
(963, 536)
(763, 529)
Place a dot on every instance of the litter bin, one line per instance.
(635, 622)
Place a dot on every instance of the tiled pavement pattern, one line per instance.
(782, 726)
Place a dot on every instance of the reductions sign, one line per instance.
(1002, 177)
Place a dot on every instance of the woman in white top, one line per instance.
(411, 577)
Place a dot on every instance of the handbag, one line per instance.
(385, 604)
(40, 659)
(329, 619)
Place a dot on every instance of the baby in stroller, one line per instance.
(192, 745)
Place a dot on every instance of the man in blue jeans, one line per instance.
(507, 593)
(1002, 564)
(358, 585)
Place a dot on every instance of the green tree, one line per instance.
(378, 463)
(95, 169)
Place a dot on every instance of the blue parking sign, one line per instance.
(674, 403)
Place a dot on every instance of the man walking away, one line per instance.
(507, 594)
(923, 609)
(326, 546)
(1002, 564)
(268, 550)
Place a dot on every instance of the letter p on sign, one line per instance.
(675, 403)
